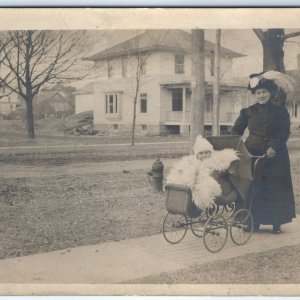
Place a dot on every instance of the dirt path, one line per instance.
(21, 171)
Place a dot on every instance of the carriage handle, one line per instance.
(259, 157)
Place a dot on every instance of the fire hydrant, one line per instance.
(157, 174)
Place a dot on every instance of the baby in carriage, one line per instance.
(205, 173)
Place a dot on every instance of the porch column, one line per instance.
(294, 109)
(184, 127)
(183, 105)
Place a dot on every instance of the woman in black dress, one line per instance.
(269, 128)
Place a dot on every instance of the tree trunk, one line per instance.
(137, 88)
(133, 121)
(29, 96)
(273, 54)
(30, 119)
(198, 85)
(216, 93)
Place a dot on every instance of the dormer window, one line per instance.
(179, 64)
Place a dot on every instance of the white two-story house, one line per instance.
(164, 94)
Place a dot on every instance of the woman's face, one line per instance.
(203, 154)
(262, 96)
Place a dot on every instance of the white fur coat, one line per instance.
(197, 175)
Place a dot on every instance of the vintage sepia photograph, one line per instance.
(159, 159)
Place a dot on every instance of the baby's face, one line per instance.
(203, 154)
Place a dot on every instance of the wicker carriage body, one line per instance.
(179, 201)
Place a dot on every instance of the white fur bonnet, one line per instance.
(201, 144)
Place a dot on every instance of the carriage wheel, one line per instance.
(241, 227)
(174, 228)
(215, 233)
(197, 225)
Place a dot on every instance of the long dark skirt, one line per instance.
(272, 191)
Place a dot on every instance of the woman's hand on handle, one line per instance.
(271, 152)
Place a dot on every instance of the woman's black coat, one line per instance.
(272, 193)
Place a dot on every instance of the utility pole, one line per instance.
(198, 85)
(216, 89)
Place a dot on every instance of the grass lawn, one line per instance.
(57, 210)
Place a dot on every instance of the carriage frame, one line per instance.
(215, 223)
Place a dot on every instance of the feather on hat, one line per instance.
(270, 80)
(282, 80)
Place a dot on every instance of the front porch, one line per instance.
(184, 118)
(293, 108)
(176, 99)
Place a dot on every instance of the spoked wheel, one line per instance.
(174, 228)
(241, 226)
(215, 233)
(197, 225)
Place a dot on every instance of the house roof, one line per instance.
(174, 40)
(187, 83)
(46, 96)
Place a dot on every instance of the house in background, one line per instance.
(84, 99)
(164, 98)
(55, 102)
(293, 101)
(8, 101)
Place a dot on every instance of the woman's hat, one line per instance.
(202, 144)
(270, 80)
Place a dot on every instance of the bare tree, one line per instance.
(31, 59)
(272, 41)
(141, 56)
(141, 59)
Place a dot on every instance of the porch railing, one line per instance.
(178, 116)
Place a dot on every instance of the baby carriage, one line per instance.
(215, 223)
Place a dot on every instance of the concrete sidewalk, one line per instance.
(116, 262)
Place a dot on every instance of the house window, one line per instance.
(179, 64)
(144, 127)
(8, 98)
(296, 110)
(177, 100)
(124, 66)
(109, 68)
(208, 103)
(111, 103)
(116, 126)
(3, 90)
(212, 63)
(143, 103)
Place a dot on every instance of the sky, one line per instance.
(243, 41)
